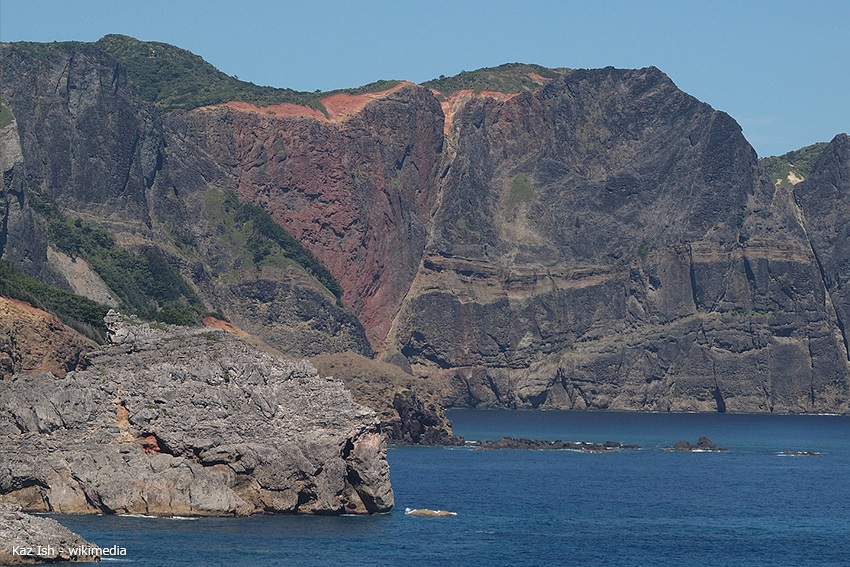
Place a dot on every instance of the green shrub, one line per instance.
(521, 191)
(507, 78)
(80, 313)
(268, 232)
(144, 282)
(174, 78)
(5, 113)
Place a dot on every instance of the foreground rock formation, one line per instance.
(180, 421)
(30, 540)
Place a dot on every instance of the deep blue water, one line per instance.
(750, 506)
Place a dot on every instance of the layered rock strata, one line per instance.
(605, 241)
(180, 421)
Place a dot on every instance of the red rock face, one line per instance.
(32, 340)
(358, 190)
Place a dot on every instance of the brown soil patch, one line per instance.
(214, 323)
(538, 78)
(342, 106)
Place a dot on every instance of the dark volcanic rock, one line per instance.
(188, 422)
(704, 445)
(540, 445)
(609, 242)
(81, 141)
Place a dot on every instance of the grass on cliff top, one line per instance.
(174, 78)
(507, 78)
(798, 162)
(145, 281)
(79, 313)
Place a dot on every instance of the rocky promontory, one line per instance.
(172, 420)
(30, 540)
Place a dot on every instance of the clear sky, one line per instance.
(780, 68)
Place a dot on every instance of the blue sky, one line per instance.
(780, 68)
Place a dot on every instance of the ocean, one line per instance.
(751, 506)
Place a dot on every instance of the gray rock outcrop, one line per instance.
(30, 540)
(187, 421)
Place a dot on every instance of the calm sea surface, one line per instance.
(751, 506)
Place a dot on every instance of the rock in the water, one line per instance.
(428, 513)
(29, 540)
(704, 445)
(187, 421)
(541, 445)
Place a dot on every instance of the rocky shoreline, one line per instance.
(188, 421)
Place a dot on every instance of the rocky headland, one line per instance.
(171, 420)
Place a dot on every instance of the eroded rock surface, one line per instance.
(183, 421)
(30, 540)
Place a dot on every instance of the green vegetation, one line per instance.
(507, 78)
(5, 113)
(266, 238)
(145, 282)
(521, 191)
(80, 313)
(174, 78)
(797, 163)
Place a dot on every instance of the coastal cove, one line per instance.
(750, 506)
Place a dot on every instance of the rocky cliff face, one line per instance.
(357, 188)
(609, 242)
(825, 210)
(82, 143)
(188, 422)
(603, 241)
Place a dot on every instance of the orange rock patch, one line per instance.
(343, 106)
(32, 340)
(339, 106)
(214, 323)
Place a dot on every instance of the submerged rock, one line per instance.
(791, 453)
(186, 421)
(30, 540)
